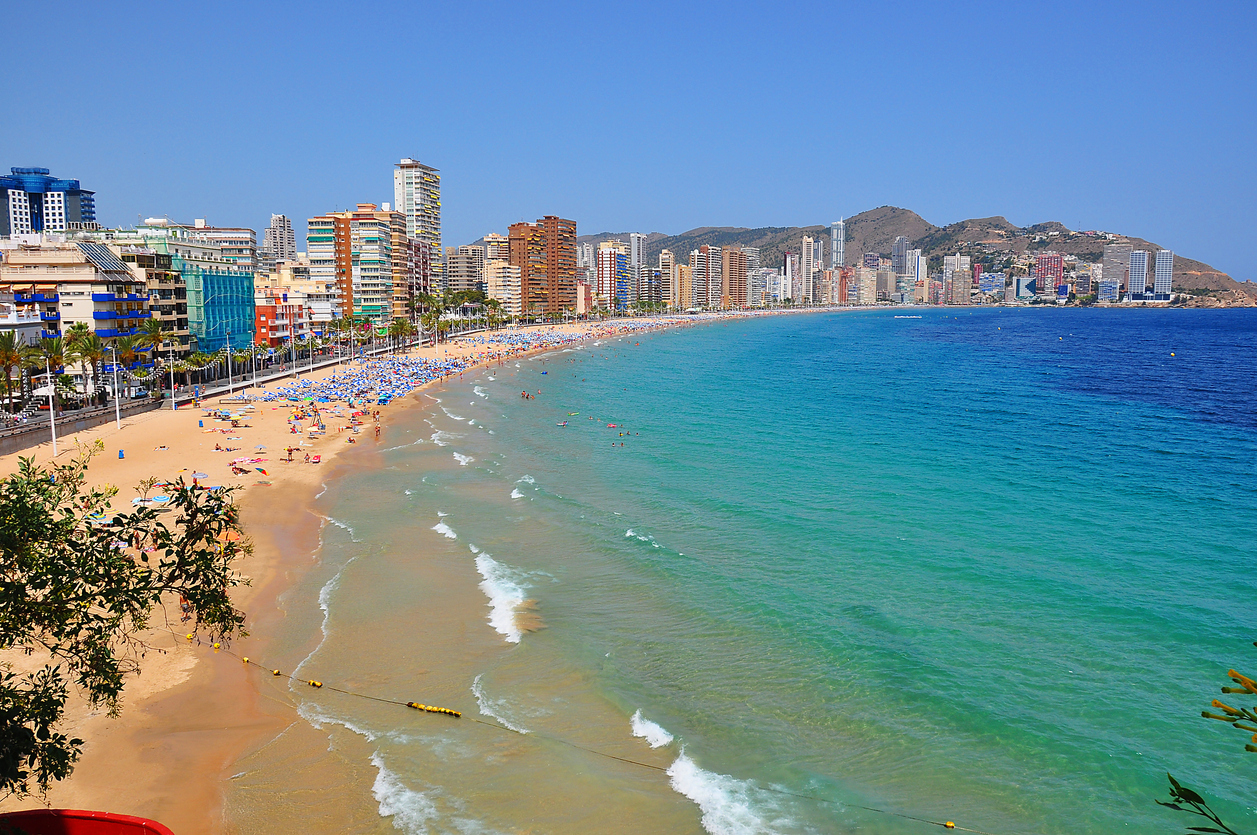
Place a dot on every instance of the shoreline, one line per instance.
(186, 715)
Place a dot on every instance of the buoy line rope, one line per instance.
(318, 685)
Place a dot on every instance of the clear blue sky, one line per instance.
(1135, 117)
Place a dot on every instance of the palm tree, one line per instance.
(151, 335)
(12, 352)
(52, 350)
(91, 349)
(126, 349)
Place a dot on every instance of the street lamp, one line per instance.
(117, 406)
(52, 407)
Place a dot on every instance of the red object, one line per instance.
(78, 822)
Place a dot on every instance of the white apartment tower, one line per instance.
(279, 240)
(837, 244)
(1163, 277)
(417, 195)
(1137, 282)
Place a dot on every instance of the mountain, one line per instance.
(990, 240)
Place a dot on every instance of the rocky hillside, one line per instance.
(990, 240)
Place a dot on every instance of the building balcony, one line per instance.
(126, 314)
(36, 297)
(110, 333)
(49, 317)
(49, 334)
(113, 297)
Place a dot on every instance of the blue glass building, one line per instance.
(220, 304)
(32, 200)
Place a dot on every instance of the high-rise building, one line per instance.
(790, 285)
(615, 275)
(837, 244)
(683, 287)
(1049, 273)
(734, 291)
(502, 283)
(464, 268)
(545, 252)
(496, 247)
(1163, 276)
(899, 255)
(31, 200)
(1137, 280)
(867, 285)
(279, 240)
(239, 245)
(918, 269)
(706, 276)
(417, 195)
(367, 254)
(872, 260)
(1116, 264)
(667, 277)
(807, 267)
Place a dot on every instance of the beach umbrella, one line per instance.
(262, 471)
(260, 446)
(200, 475)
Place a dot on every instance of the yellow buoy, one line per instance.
(245, 660)
(1171, 353)
(275, 672)
(216, 646)
(949, 825)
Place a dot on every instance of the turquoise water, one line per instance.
(984, 566)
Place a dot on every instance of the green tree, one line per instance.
(12, 352)
(92, 350)
(79, 584)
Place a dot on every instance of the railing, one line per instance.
(109, 333)
(49, 317)
(113, 297)
(126, 314)
(36, 297)
(51, 334)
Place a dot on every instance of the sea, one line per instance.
(817, 573)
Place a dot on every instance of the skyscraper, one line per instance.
(734, 291)
(614, 276)
(1116, 265)
(545, 252)
(464, 268)
(417, 195)
(1163, 277)
(706, 275)
(279, 240)
(1137, 280)
(496, 247)
(31, 200)
(837, 244)
(899, 255)
(667, 277)
(810, 263)
(1049, 274)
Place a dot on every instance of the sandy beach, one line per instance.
(192, 713)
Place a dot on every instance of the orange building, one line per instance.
(545, 253)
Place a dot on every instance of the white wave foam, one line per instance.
(463, 460)
(438, 438)
(317, 718)
(505, 595)
(526, 480)
(493, 707)
(410, 810)
(479, 392)
(515, 494)
(321, 492)
(729, 806)
(343, 526)
(451, 414)
(653, 733)
(407, 491)
(445, 530)
(493, 378)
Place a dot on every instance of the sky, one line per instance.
(1133, 117)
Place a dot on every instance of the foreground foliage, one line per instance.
(1243, 718)
(79, 584)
